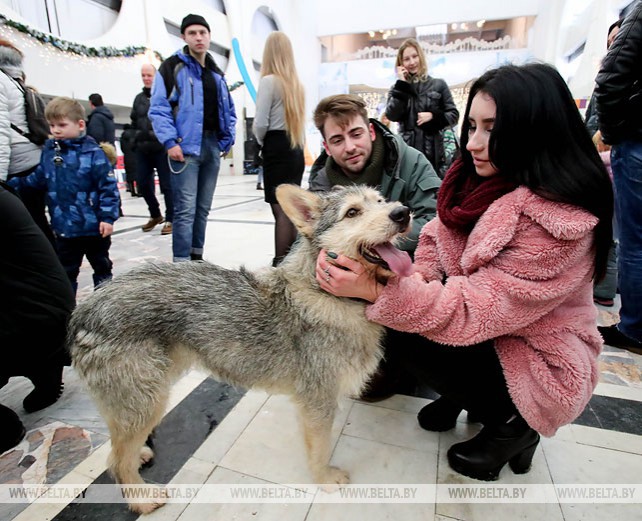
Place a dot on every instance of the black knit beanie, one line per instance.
(193, 19)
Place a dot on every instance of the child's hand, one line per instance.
(106, 229)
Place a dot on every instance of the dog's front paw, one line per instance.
(331, 478)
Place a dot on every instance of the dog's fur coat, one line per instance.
(273, 329)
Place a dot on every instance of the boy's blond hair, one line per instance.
(63, 107)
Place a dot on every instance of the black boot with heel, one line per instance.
(484, 456)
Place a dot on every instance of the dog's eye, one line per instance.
(352, 212)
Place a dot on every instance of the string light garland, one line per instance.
(76, 48)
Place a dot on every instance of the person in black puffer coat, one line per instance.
(151, 154)
(100, 123)
(37, 299)
(422, 105)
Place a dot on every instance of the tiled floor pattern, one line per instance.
(259, 440)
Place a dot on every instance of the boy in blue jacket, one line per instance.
(82, 192)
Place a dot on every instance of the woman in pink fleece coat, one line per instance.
(500, 302)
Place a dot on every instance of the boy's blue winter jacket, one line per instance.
(81, 186)
(178, 84)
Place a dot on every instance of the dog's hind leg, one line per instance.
(129, 451)
(317, 431)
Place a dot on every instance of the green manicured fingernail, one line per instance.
(332, 255)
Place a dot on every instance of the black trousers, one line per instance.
(471, 376)
(34, 200)
(71, 252)
(146, 162)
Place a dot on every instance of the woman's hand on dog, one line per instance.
(344, 277)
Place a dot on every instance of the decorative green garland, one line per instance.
(82, 50)
(76, 48)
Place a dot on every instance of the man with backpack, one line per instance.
(193, 116)
(23, 130)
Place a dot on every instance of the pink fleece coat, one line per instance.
(523, 278)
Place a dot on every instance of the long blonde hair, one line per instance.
(278, 59)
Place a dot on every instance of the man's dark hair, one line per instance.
(96, 100)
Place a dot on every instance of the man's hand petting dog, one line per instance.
(344, 277)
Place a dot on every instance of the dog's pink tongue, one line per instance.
(399, 261)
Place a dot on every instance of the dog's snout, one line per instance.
(400, 215)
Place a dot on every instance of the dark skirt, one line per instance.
(281, 164)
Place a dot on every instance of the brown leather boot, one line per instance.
(167, 228)
(151, 224)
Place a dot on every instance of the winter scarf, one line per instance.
(463, 197)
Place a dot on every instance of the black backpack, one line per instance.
(38, 127)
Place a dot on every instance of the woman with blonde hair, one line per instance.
(423, 106)
(279, 129)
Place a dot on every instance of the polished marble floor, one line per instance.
(216, 435)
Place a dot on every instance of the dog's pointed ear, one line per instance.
(301, 206)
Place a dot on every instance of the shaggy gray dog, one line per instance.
(274, 329)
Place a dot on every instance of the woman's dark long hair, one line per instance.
(540, 141)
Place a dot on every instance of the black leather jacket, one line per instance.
(406, 100)
(618, 93)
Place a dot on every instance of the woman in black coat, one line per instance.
(36, 302)
(423, 106)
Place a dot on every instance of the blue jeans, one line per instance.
(146, 163)
(626, 161)
(193, 191)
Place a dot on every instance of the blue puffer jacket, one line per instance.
(81, 186)
(178, 84)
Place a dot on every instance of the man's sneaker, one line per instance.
(614, 337)
(167, 229)
(151, 224)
